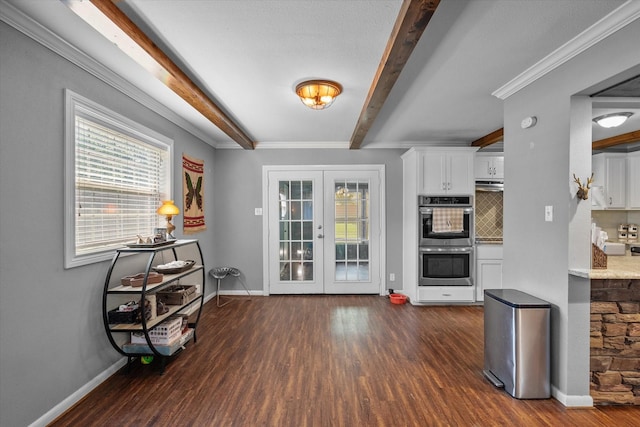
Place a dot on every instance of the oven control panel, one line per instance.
(445, 200)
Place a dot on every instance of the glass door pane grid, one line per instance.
(352, 205)
(296, 230)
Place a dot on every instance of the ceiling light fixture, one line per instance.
(318, 94)
(612, 120)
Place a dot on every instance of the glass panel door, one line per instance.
(351, 260)
(296, 230)
(351, 222)
(324, 232)
(295, 212)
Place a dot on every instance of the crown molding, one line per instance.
(37, 32)
(614, 21)
(412, 144)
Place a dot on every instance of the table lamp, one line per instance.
(168, 209)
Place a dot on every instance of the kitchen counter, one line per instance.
(618, 267)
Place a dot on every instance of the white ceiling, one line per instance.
(249, 55)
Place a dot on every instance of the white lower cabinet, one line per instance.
(488, 269)
(445, 293)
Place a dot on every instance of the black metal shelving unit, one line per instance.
(115, 293)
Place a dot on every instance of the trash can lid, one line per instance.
(517, 299)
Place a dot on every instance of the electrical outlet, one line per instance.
(392, 277)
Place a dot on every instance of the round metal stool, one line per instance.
(220, 273)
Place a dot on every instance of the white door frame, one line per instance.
(380, 169)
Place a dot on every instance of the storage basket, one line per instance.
(137, 279)
(162, 334)
(598, 258)
(114, 316)
(177, 294)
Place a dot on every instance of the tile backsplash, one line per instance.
(489, 214)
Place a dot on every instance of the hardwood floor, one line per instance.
(327, 361)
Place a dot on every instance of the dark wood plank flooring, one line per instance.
(327, 361)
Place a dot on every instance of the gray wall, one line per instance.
(539, 163)
(238, 182)
(53, 341)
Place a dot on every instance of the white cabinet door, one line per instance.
(443, 294)
(498, 167)
(483, 166)
(488, 269)
(633, 174)
(460, 174)
(489, 276)
(489, 167)
(616, 179)
(610, 173)
(433, 173)
(446, 173)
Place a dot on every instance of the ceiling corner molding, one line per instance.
(287, 145)
(614, 21)
(43, 36)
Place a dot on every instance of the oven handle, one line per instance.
(424, 210)
(448, 249)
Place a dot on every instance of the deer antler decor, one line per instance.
(583, 190)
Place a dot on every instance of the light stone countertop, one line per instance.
(618, 267)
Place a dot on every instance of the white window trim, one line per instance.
(75, 103)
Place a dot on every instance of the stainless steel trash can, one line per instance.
(517, 343)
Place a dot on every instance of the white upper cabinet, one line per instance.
(489, 166)
(633, 180)
(610, 173)
(444, 172)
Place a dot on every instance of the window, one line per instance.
(117, 172)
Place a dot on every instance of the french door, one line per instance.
(324, 231)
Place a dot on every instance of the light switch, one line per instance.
(548, 213)
(258, 211)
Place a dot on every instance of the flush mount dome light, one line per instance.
(318, 94)
(612, 120)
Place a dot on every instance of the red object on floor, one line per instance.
(398, 298)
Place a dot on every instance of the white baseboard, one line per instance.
(572, 401)
(67, 403)
(75, 397)
(240, 293)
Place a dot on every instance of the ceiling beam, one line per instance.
(171, 74)
(625, 138)
(492, 138)
(411, 22)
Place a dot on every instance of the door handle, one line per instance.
(320, 236)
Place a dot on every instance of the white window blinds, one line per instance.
(118, 186)
(120, 176)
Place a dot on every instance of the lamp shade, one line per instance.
(168, 208)
(612, 120)
(318, 94)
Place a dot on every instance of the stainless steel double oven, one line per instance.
(446, 254)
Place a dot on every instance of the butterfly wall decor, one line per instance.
(193, 192)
